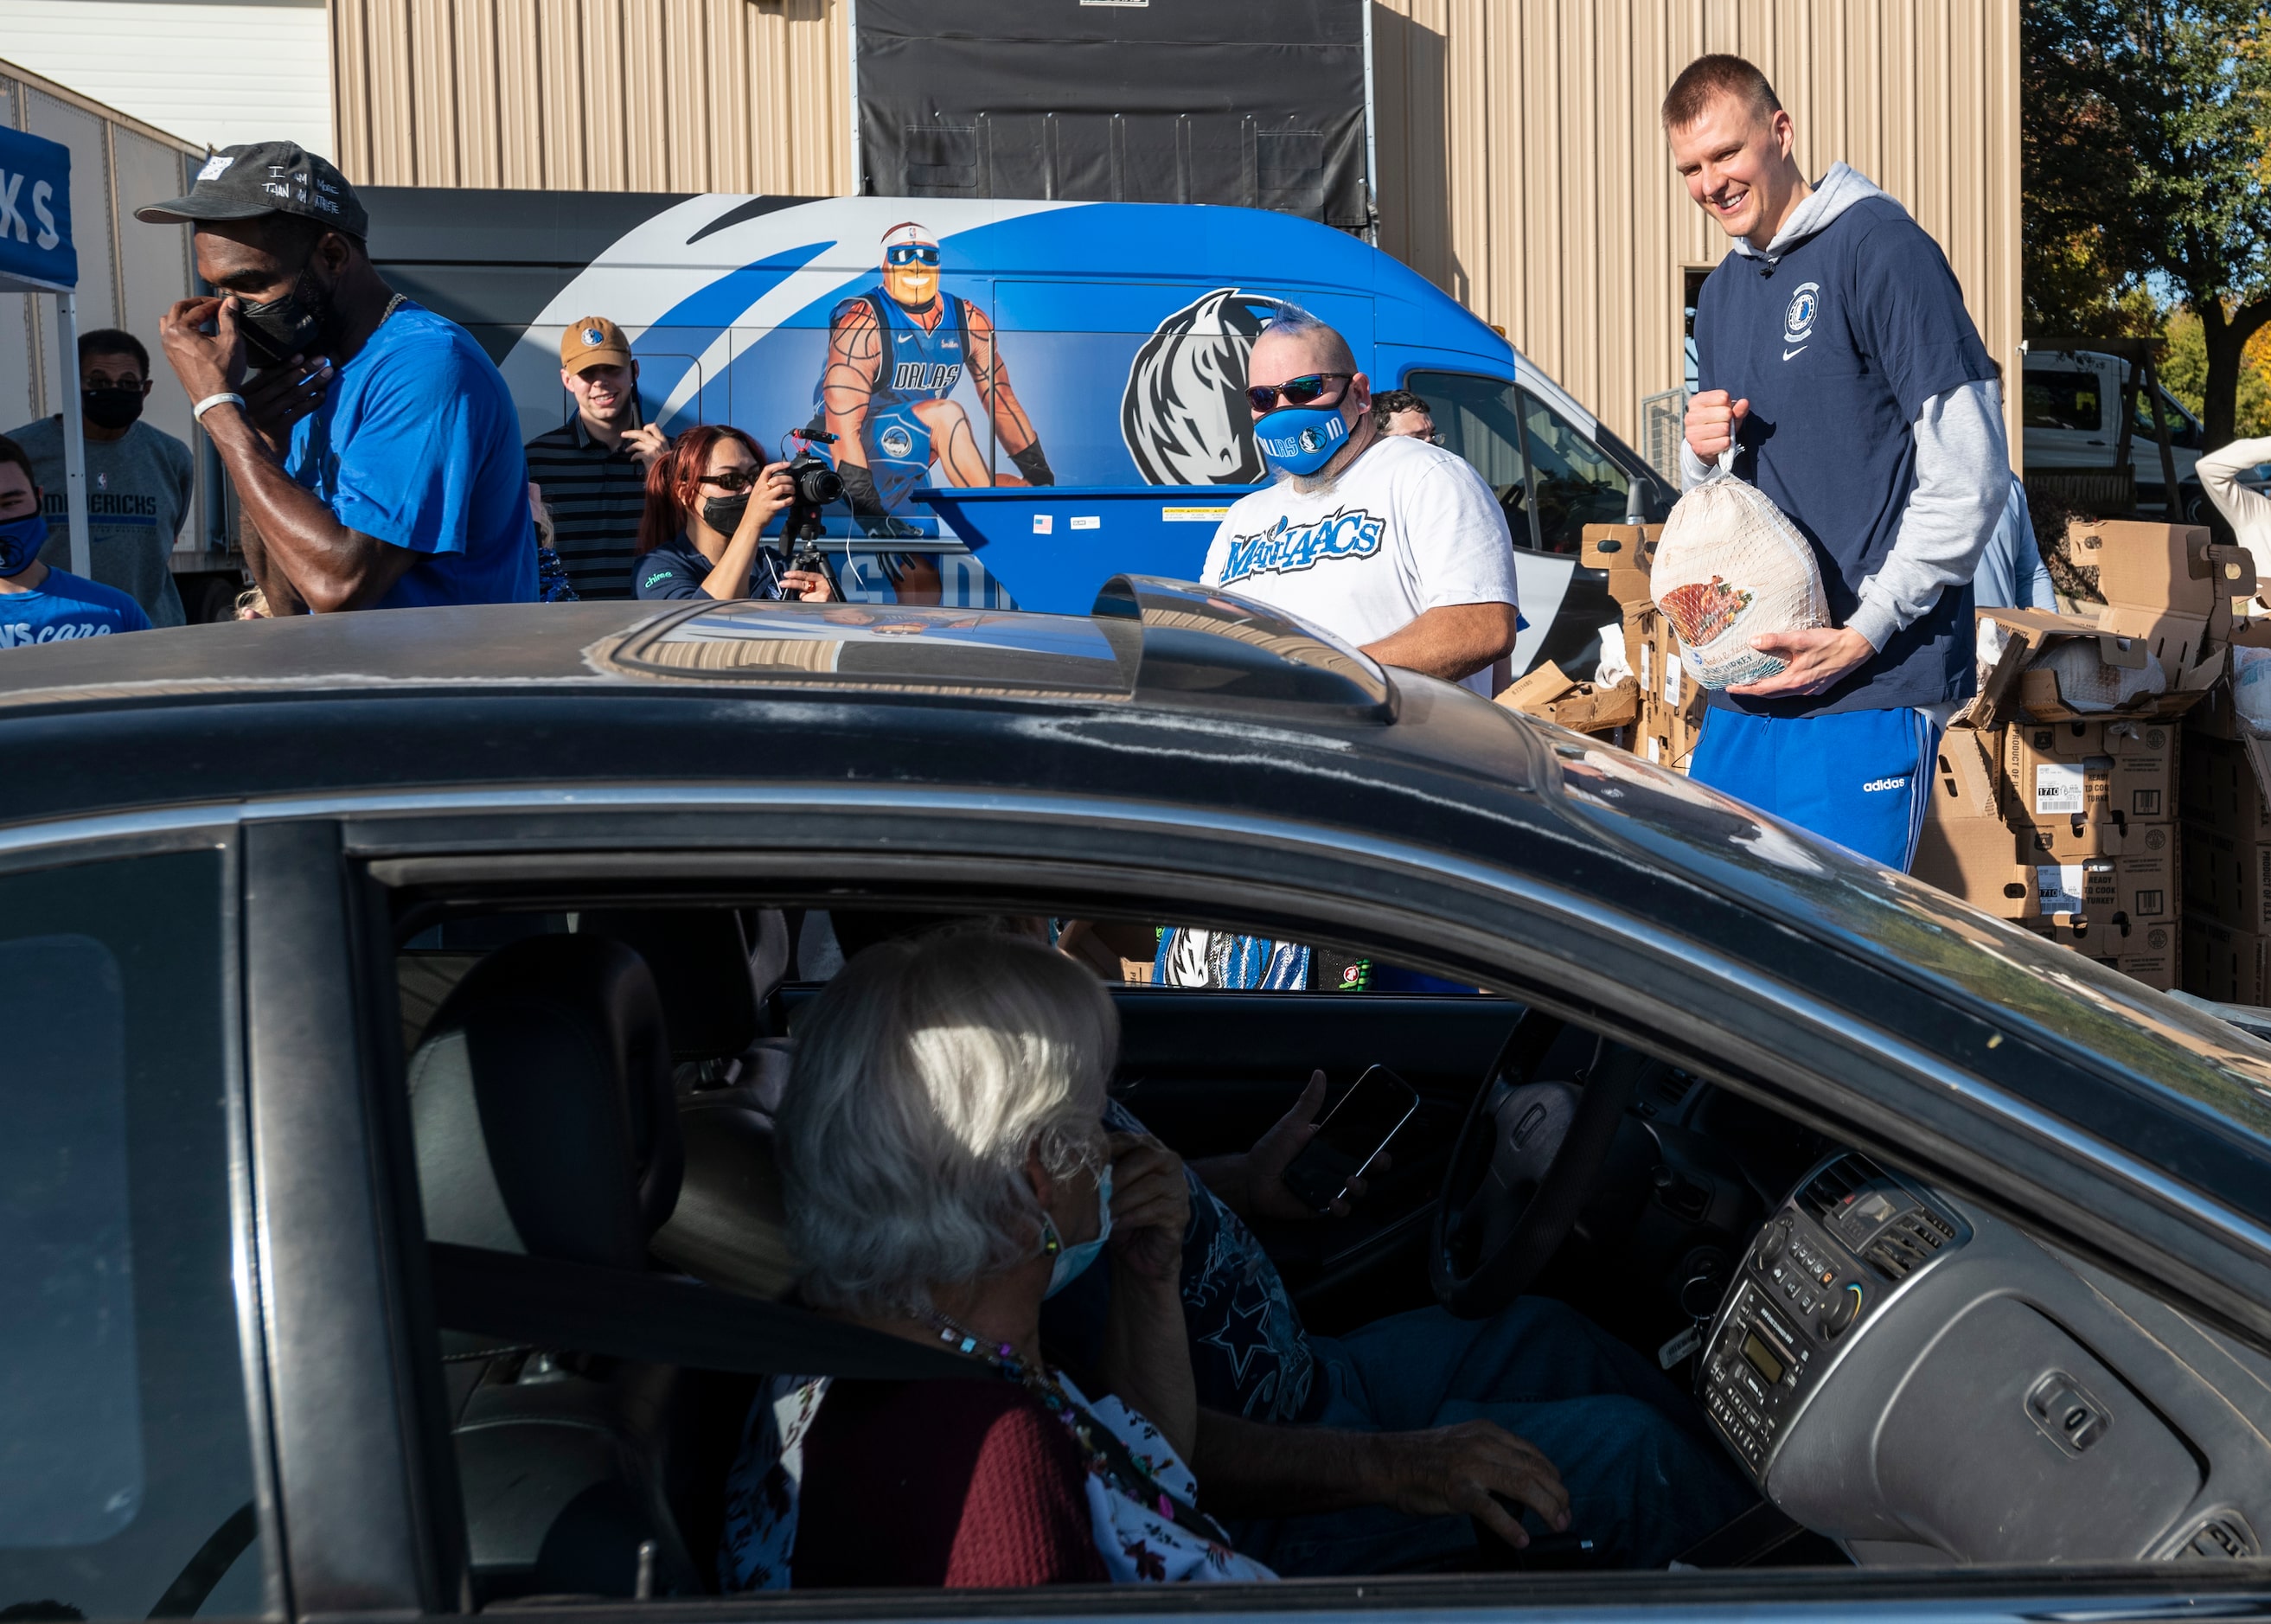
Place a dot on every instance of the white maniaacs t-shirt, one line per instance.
(1407, 528)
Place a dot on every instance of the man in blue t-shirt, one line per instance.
(39, 604)
(378, 452)
(1835, 357)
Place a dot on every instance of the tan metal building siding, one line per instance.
(593, 96)
(1520, 166)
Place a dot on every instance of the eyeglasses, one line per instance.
(1293, 391)
(733, 478)
(911, 254)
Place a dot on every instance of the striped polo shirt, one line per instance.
(595, 497)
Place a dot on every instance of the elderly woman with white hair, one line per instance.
(946, 1168)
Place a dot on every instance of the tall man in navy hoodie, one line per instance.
(1835, 356)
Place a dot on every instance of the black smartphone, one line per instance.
(1351, 1138)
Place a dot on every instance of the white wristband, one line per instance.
(198, 412)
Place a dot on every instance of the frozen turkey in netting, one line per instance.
(1731, 566)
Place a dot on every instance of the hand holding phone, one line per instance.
(1350, 1139)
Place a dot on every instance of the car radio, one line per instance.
(1850, 1234)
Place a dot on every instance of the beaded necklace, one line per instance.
(1112, 1458)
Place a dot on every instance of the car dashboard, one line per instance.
(1921, 1381)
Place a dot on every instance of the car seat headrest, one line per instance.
(541, 1100)
(701, 965)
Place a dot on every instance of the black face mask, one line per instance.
(723, 514)
(300, 323)
(110, 408)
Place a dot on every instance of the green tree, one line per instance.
(2142, 151)
(2183, 369)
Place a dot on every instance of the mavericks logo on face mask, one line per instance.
(1285, 547)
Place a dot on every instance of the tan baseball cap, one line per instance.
(593, 340)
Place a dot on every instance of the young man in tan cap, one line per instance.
(593, 468)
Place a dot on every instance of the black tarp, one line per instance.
(1259, 104)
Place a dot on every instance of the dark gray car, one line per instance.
(1978, 1232)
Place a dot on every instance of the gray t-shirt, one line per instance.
(137, 495)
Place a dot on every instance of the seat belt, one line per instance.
(547, 1303)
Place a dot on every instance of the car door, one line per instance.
(131, 1418)
(1552, 480)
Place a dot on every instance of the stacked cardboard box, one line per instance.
(2226, 795)
(1670, 706)
(2066, 821)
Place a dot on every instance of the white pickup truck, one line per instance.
(2072, 422)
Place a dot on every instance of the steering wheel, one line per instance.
(1525, 1167)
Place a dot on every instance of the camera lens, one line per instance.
(819, 484)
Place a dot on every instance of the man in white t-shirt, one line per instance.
(1386, 542)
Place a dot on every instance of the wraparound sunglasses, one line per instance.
(1300, 392)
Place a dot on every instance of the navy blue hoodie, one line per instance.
(1837, 341)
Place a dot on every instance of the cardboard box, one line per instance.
(1965, 847)
(2121, 769)
(1624, 552)
(1973, 858)
(2147, 953)
(2077, 837)
(2110, 891)
(2226, 964)
(2228, 878)
(2169, 593)
(2214, 714)
(2220, 784)
(1584, 707)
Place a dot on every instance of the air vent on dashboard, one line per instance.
(1909, 1242)
(1837, 1184)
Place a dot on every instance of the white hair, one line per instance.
(926, 1074)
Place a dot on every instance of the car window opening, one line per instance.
(865, 1151)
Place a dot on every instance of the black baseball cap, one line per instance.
(266, 177)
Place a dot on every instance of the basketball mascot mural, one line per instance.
(895, 354)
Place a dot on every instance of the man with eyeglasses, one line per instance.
(896, 354)
(1400, 412)
(1387, 541)
(138, 479)
(377, 451)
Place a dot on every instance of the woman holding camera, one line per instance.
(709, 499)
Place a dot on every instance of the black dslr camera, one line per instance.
(816, 484)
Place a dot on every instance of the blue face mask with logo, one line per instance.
(1071, 1262)
(1301, 439)
(20, 541)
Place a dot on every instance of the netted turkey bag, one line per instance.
(1730, 567)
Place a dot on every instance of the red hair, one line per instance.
(670, 490)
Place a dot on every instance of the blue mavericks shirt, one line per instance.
(63, 607)
(918, 364)
(1838, 345)
(418, 445)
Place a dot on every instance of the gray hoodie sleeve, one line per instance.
(1693, 469)
(1963, 479)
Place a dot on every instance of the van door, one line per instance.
(1552, 482)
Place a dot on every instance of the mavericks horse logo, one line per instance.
(1184, 415)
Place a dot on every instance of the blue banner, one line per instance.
(36, 251)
